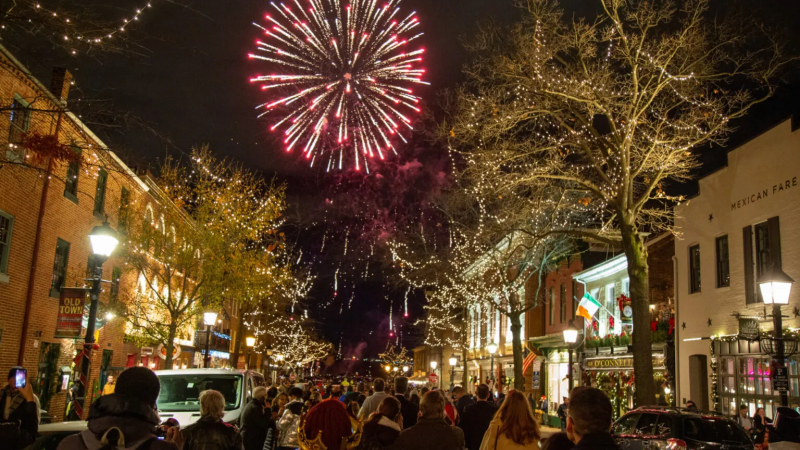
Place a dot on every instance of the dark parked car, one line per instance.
(658, 428)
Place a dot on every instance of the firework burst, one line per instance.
(341, 93)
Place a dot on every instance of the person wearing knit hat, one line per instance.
(328, 426)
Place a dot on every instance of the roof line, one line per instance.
(72, 116)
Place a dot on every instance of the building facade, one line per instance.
(741, 223)
(48, 206)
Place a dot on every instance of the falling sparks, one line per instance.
(340, 91)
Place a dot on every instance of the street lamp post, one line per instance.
(492, 349)
(775, 288)
(570, 337)
(251, 342)
(209, 319)
(104, 240)
(453, 361)
(433, 366)
(269, 361)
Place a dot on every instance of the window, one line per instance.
(663, 426)
(694, 269)
(626, 425)
(71, 181)
(763, 239)
(124, 202)
(626, 287)
(574, 297)
(59, 267)
(563, 300)
(763, 247)
(723, 262)
(645, 425)
(100, 193)
(6, 226)
(552, 307)
(20, 120)
(113, 295)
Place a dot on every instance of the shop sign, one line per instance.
(780, 380)
(748, 328)
(537, 365)
(70, 313)
(623, 363)
(535, 380)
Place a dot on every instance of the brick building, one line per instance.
(47, 209)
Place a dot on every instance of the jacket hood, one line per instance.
(113, 408)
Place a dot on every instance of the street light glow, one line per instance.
(103, 239)
(775, 287)
(571, 334)
(491, 348)
(251, 341)
(210, 318)
(434, 364)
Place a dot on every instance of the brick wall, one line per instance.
(555, 279)
(21, 187)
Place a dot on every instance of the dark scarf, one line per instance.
(16, 401)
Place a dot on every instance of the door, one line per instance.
(643, 433)
(698, 381)
(623, 430)
(48, 368)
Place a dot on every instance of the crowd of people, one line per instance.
(307, 416)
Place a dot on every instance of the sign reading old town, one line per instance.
(622, 363)
(70, 313)
(764, 193)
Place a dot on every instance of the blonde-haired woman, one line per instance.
(514, 426)
(210, 431)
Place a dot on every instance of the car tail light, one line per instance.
(676, 444)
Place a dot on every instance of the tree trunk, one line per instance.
(638, 272)
(237, 344)
(173, 330)
(516, 345)
(464, 350)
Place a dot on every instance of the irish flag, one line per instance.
(587, 307)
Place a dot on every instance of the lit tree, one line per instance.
(607, 110)
(214, 221)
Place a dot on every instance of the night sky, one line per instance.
(190, 84)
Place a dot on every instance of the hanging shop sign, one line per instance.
(535, 380)
(620, 363)
(70, 313)
(748, 328)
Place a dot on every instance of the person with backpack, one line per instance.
(126, 419)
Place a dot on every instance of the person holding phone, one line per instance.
(20, 418)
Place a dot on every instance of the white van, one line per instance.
(180, 392)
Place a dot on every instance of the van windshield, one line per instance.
(182, 392)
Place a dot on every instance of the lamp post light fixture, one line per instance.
(570, 337)
(492, 349)
(453, 361)
(775, 287)
(209, 319)
(104, 240)
(388, 368)
(405, 370)
(250, 342)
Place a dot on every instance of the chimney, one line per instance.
(60, 83)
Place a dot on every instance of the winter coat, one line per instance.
(597, 441)
(135, 419)
(255, 423)
(475, 422)
(379, 435)
(493, 440)
(463, 402)
(289, 423)
(209, 433)
(430, 434)
(409, 410)
(20, 432)
(371, 404)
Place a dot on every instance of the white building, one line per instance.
(744, 218)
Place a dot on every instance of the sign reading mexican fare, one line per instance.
(620, 363)
(70, 312)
